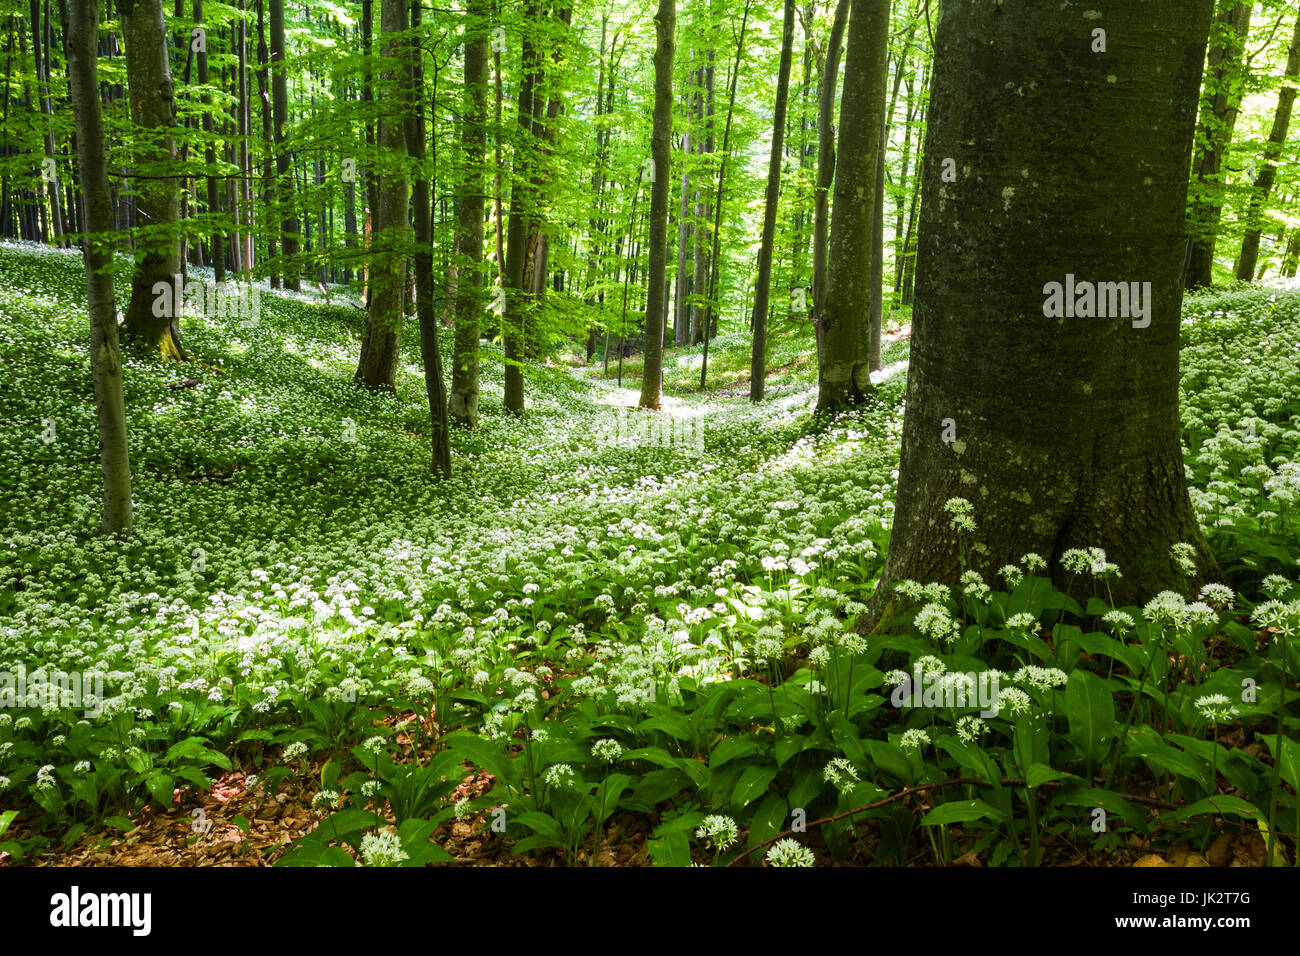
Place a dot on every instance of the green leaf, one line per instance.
(753, 782)
(961, 811)
(542, 824)
(1221, 804)
(7, 817)
(769, 819)
(117, 823)
(1040, 774)
(1091, 711)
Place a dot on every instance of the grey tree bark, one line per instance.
(1059, 427)
(469, 218)
(660, 145)
(97, 251)
(844, 368)
(758, 318)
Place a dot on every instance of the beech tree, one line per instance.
(149, 319)
(1043, 385)
(844, 364)
(655, 308)
(97, 250)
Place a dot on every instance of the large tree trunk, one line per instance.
(381, 346)
(1226, 84)
(97, 250)
(151, 319)
(1066, 428)
(758, 318)
(469, 298)
(844, 369)
(1268, 175)
(660, 145)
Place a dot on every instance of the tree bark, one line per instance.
(97, 250)
(149, 320)
(758, 356)
(660, 145)
(283, 159)
(1268, 175)
(1226, 83)
(826, 163)
(844, 371)
(469, 299)
(1066, 428)
(381, 346)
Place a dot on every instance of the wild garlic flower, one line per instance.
(1218, 596)
(325, 800)
(1216, 707)
(914, 739)
(1012, 574)
(1024, 621)
(1119, 620)
(1167, 608)
(382, 849)
(1014, 701)
(1275, 586)
(1033, 561)
(962, 514)
(559, 775)
(375, 744)
(841, 773)
(718, 832)
(788, 852)
(1184, 556)
(970, 727)
(1040, 678)
(607, 750)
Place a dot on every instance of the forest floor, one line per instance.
(307, 626)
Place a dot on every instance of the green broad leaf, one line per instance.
(335, 856)
(1091, 712)
(1286, 754)
(254, 734)
(116, 822)
(1040, 774)
(1221, 804)
(346, 825)
(162, 786)
(961, 811)
(74, 833)
(686, 823)
(890, 758)
(1098, 644)
(196, 750)
(674, 725)
(971, 759)
(242, 823)
(671, 849)
(808, 785)
(483, 754)
(769, 819)
(731, 748)
(543, 825)
(1108, 800)
(608, 793)
(753, 782)
(7, 817)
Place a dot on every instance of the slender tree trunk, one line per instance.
(1226, 84)
(283, 157)
(268, 148)
(149, 319)
(1058, 425)
(435, 389)
(758, 358)
(826, 165)
(715, 262)
(876, 310)
(469, 299)
(381, 346)
(660, 153)
(1268, 175)
(844, 372)
(681, 308)
(97, 250)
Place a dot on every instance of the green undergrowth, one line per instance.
(606, 620)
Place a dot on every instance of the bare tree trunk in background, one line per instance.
(97, 250)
